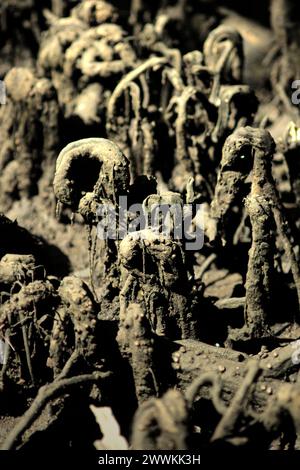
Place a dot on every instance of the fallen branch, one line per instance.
(45, 394)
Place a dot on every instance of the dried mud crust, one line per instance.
(189, 349)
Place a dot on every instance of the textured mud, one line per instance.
(169, 102)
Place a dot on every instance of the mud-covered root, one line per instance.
(62, 383)
(134, 128)
(263, 179)
(61, 34)
(261, 272)
(236, 163)
(238, 405)
(245, 391)
(281, 416)
(30, 136)
(94, 12)
(86, 55)
(249, 149)
(88, 172)
(75, 323)
(237, 107)
(17, 268)
(100, 53)
(223, 52)
(161, 424)
(291, 142)
(224, 56)
(136, 342)
(26, 321)
(153, 272)
(289, 401)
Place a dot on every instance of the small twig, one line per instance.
(26, 346)
(68, 365)
(230, 417)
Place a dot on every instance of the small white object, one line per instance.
(112, 439)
